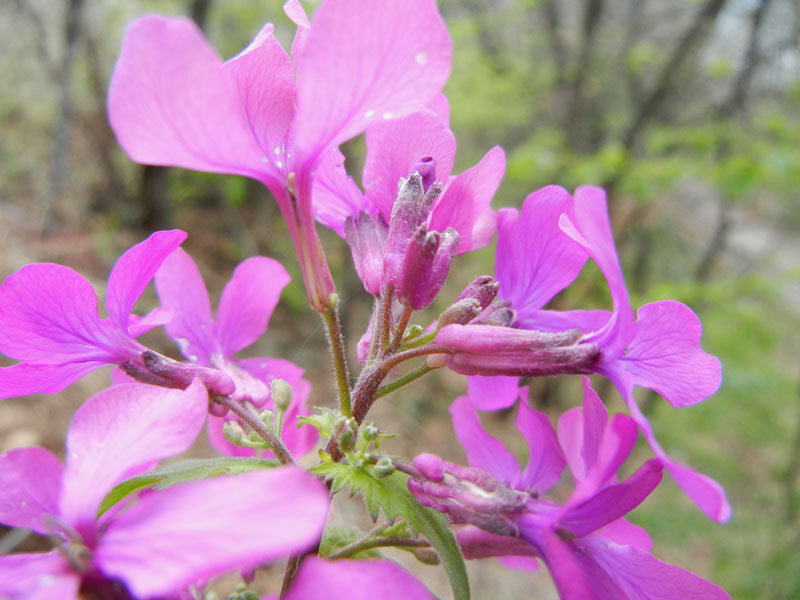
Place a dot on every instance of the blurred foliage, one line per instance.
(704, 201)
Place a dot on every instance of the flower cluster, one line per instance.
(123, 526)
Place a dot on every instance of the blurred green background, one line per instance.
(687, 111)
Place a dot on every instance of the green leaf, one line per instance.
(391, 494)
(337, 537)
(183, 471)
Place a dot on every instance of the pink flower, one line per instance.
(242, 317)
(168, 539)
(590, 550)
(172, 101)
(50, 320)
(540, 251)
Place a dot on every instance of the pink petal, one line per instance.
(50, 316)
(247, 302)
(535, 259)
(394, 146)
(140, 325)
(591, 228)
(625, 533)
(120, 432)
(619, 437)
(335, 195)
(30, 484)
(355, 580)
(707, 494)
(363, 62)
(665, 355)
(133, 272)
(441, 107)
(545, 459)
(37, 577)
(297, 14)
(466, 203)
(580, 432)
(492, 393)
(265, 78)
(612, 502)
(181, 289)
(172, 103)
(194, 531)
(477, 543)
(640, 575)
(483, 451)
(24, 378)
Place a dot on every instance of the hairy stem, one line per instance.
(369, 542)
(401, 329)
(248, 414)
(401, 381)
(336, 344)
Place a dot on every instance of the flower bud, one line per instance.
(233, 432)
(402, 225)
(460, 312)
(384, 467)
(347, 436)
(426, 167)
(466, 494)
(281, 394)
(426, 266)
(483, 289)
(370, 432)
(499, 313)
(366, 236)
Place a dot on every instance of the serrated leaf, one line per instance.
(181, 472)
(323, 420)
(337, 537)
(391, 494)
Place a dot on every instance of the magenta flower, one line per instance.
(355, 580)
(540, 251)
(50, 321)
(172, 101)
(168, 539)
(590, 550)
(245, 308)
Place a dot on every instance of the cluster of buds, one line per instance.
(407, 257)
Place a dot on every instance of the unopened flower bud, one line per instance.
(281, 394)
(233, 432)
(426, 167)
(216, 409)
(483, 289)
(370, 432)
(384, 467)
(402, 225)
(425, 556)
(347, 436)
(366, 236)
(426, 266)
(460, 312)
(414, 331)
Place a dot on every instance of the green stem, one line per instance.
(377, 542)
(417, 342)
(401, 329)
(401, 381)
(336, 344)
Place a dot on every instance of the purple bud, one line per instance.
(483, 289)
(426, 167)
(367, 236)
(417, 267)
(490, 350)
(466, 494)
(402, 226)
(459, 313)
